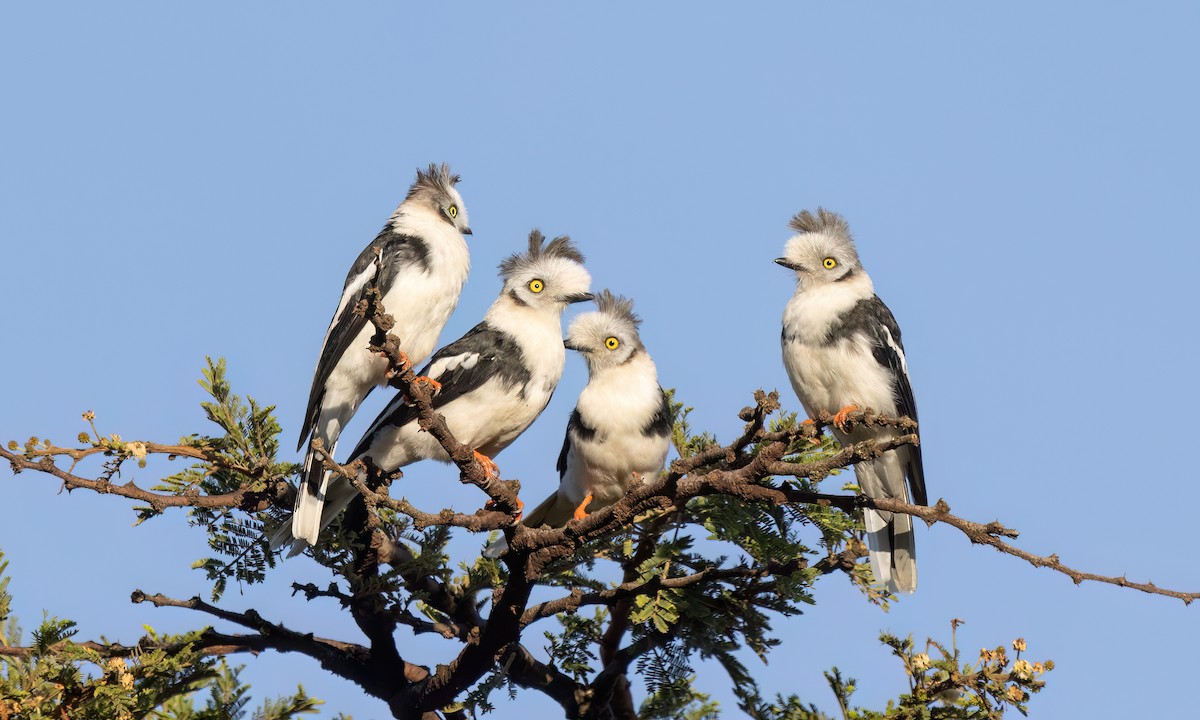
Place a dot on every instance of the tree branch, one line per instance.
(246, 498)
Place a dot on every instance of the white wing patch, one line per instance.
(466, 361)
(348, 294)
(887, 334)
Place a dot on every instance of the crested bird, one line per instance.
(419, 262)
(842, 351)
(620, 431)
(494, 381)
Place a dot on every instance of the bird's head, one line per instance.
(435, 192)
(549, 276)
(607, 337)
(822, 250)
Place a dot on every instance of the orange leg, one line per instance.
(489, 467)
(581, 511)
(839, 418)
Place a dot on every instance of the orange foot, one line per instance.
(839, 418)
(581, 511)
(391, 372)
(489, 467)
(490, 504)
(437, 386)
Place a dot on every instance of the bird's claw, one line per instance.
(391, 371)
(489, 466)
(434, 384)
(491, 505)
(839, 417)
(581, 511)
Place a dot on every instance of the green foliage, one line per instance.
(680, 701)
(942, 686)
(58, 678)
(700, 581)
(571, 648)
(227, 699)
(245, 456)
(686, 443)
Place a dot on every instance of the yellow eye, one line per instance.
(537, 286)
(829, 263)
(612, 343)
(453, 211)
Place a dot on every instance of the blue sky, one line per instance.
(178, 181)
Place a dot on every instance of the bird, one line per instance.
(494, 381)
(419, 261)
(619, 433)
(842, 351)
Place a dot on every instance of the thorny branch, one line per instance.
(250, 498)
(744, 469)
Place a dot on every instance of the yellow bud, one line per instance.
(137, 449)
(84, 437)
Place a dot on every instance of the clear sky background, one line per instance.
(182, 180)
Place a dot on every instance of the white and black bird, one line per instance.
(620, 431)
(842, 350)
(495, 380)
(423, 264)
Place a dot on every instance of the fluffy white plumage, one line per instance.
(842, 347)
(619, 433)
(495, 380)
(423, 265)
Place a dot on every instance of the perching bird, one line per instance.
(495, 380)
(842, 350)
(423, 266)
(620, 432)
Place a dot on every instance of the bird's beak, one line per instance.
(467, 231)
(788, 264)
(579, 297)
(568, 345)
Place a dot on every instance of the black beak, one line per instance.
(467, 231)
(788, 264)
(579, 297)
(567, 344)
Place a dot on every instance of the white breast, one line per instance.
(422, 301)
(830, 376)
(617, 404)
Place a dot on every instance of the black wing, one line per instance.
(660, 425)
(461, 367)
(889, 352)
(398, 251)
(583, 431)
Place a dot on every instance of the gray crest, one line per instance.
(539, 249)
(825, 221)
(434, 180)
(617, 306)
